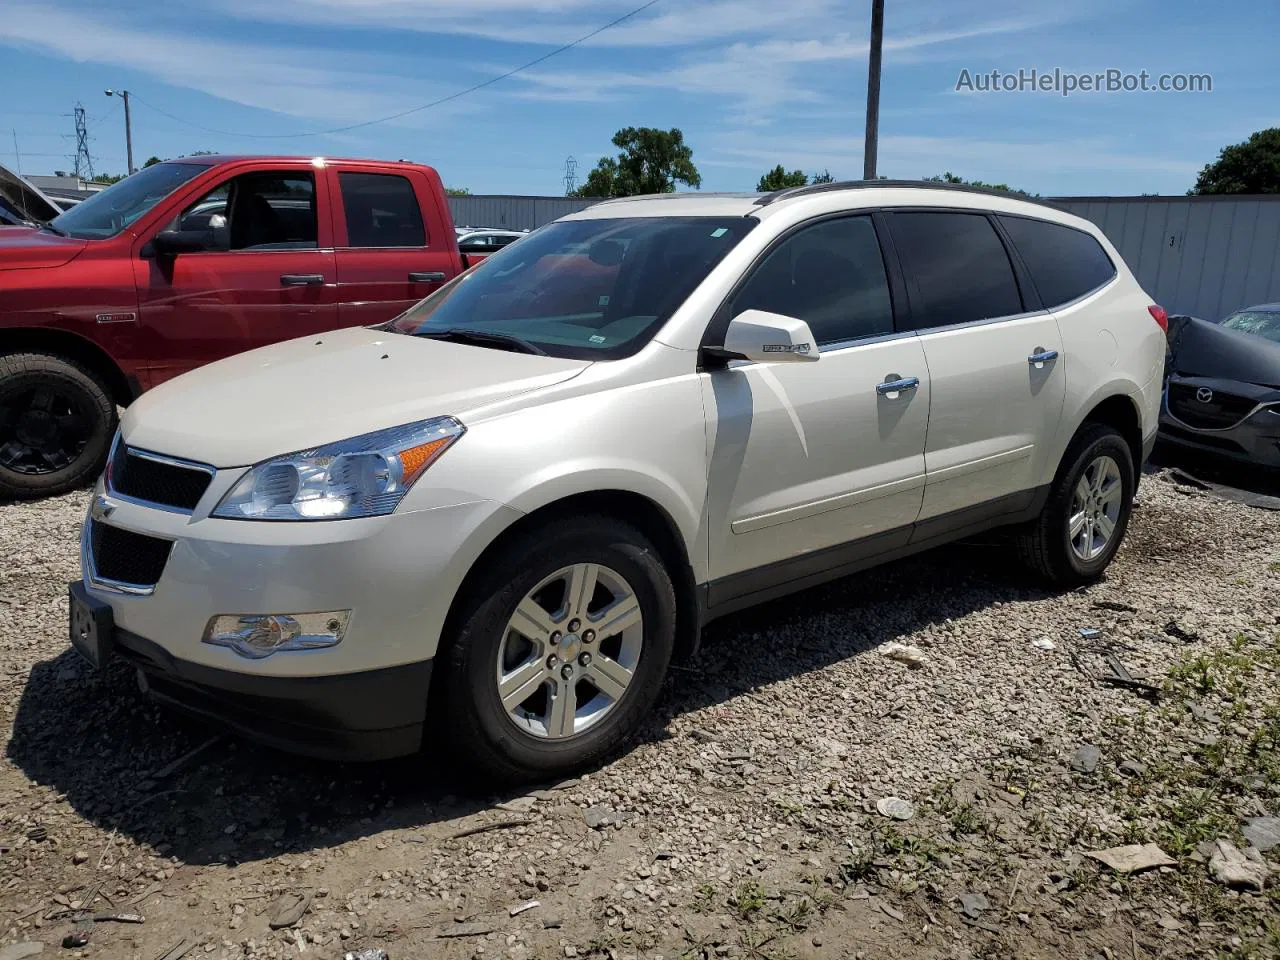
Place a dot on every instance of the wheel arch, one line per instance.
(1115, 405)
(644, 513)
(70, 346)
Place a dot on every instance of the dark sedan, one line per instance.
(1222, 395)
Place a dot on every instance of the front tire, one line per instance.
(56, 423)
(1087, 513)
(559, 653)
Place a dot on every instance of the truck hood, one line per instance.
(24, 199)
(302, 393)
(27, 247)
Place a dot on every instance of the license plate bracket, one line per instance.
(90, 626)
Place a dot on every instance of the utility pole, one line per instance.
(873, 92)
(84, 162)
(128, 125)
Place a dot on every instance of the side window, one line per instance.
(1064, 263)
(830, 275)
(381, 210)
(256, 211)
(959, 265)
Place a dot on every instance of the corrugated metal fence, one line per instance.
(1205, 256)
(512, 213)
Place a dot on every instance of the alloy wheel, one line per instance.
(1095, 508)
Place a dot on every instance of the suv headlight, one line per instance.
(366, 476)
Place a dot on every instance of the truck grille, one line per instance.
(1222, 411)
(168, 484)
(127, 557)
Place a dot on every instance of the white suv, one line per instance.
(491, 523)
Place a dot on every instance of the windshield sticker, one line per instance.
(603, 302)
(596, 338)
(719, 231)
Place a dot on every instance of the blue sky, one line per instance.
(751, 83)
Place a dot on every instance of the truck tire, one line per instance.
(56, 424)
(1085, 518)
(605, 648)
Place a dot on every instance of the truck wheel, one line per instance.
(1085, 518)
(56, 424)
(559, 654)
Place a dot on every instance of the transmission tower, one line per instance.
(84, 162)
(570, 175)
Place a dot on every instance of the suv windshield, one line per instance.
(1262, 323)
(109, 211)
(585, 289)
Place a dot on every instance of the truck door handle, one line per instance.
(301, 279)
(427, 276)
(1041, 357)
(890, 387)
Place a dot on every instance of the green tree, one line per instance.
(457, 191)
(779, 179)
(950, 177)
(108, 178)
(1249, 167)
(823, 177)
(152, 161)
(651, 161)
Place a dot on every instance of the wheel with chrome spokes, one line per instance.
(1086, 511)
(570, 651)
(560, 652)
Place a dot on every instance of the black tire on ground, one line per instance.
(1045, 543)
(467, 718)
(87, 399)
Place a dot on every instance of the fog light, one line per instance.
(260, 635)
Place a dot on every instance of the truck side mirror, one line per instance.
(170, 243)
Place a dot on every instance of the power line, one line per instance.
(404, 113)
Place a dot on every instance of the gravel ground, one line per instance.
(745, 823)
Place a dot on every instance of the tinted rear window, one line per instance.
(1064, 263)
(959, 266)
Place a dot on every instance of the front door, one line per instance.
(996, 373)
(267, 275)
(386, 261)
(816, 464)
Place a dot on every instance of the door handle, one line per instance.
(301, 279)
(1041, 357)
(897, 386)
(426, 276)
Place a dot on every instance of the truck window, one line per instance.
(109, 211)
(381, 210)
(257, 211)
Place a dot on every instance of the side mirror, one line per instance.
(768, 338)
(169, 243)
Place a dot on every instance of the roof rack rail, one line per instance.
(681, 195)
(791, 192)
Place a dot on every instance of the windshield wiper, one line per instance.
(54, 230)
(484, 338)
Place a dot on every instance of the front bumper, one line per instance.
(1255, 440)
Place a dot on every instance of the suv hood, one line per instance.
(302, 393)
(26, 247)
(24, 200)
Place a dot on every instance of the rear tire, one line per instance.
(1084, 520)
(523, 738)
(56, 423)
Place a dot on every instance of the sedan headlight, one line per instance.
(366, 476)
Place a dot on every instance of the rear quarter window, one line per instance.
(1064, 263)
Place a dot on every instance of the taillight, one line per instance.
(1160, 315)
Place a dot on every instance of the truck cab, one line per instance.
(186, 262)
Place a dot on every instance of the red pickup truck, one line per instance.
(189, 261)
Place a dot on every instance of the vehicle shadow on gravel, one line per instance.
(99, 742)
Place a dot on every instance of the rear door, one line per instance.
(996, 373)
(389, 254)
(267, 275)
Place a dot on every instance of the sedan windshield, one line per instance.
(585, 289)
(109, 211)
(1261, 323)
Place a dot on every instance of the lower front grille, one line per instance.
(1216, 411)
(1203, 439)
(126, 557)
